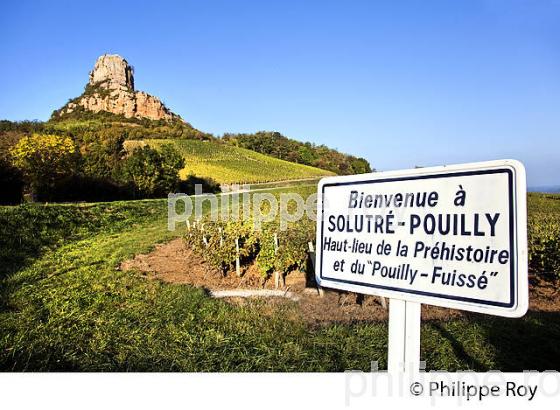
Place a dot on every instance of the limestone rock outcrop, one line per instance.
(114, 70)
(111, 89)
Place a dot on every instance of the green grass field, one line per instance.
(228, 164)
(65, 306)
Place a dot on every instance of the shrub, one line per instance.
(215, 242)
(291, 253)
(544, 246)
(152, 173)
(208, 185)
(266, 258)
(44, 159)
(101, 157)
(292, 248)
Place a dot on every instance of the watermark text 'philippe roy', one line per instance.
(241, 204)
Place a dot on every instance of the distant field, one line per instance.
(544, 233)
(228, 164)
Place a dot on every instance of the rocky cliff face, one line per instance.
(111, 89)
(114, 70)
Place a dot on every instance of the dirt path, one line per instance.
(174, 262)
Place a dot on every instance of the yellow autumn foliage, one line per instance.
(44, 156)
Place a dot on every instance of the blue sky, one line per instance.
(401, 83)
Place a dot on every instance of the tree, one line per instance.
(100, 158)
(360, 166)
(44, 159)
(153, 173)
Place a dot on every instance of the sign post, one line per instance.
(453, 236)
(404, 337)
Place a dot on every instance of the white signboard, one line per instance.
(453, 236)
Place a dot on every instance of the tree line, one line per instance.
(277, 145)
(83, 158)
(53, 165)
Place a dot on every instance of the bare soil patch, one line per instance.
(174, 262)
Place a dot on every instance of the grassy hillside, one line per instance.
(276, 145)
(66, 307)
(229, 164)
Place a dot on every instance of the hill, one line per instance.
(110, 100)
(111, 89)
(95, 126)
(229, 164)
(320, 156)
